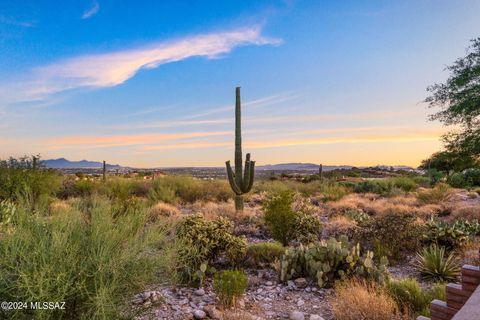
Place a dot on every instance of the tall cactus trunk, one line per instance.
(104, 169)
(240, 181)
(320, 172)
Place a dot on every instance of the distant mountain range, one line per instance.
(63, 163)
(299, 167)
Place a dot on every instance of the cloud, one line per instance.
(114, 68)
(92, 11)
(14, 22)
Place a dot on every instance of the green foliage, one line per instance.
(263, 253)
(202, 241)
(229, 286)
(409, 295)
(445, 162)
(472, 177)
(286, 224)
(91, 261)
(457, 180)
(19, 178)
(329, 260)
(433, 263)
(7, 211)
(450, 235)
(333, 191)
(386, 187)
(435, 195)
(390, 234)
(458, 99)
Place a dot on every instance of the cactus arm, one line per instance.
(231, 179)
(252, 176)
(246, 174)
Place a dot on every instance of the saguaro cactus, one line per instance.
(104, 170)
(320, 171)
(240, 182)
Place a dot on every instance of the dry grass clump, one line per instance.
(375, 205)
(58, 206)
(440, 193)
(356, 300)
(339, 225)
(465, 212)
(469, 253)
(162, 210)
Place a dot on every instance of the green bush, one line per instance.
(406, 184)
(371, 186)
(285, 224)
(433, 263)
(457, 180)
(333, 191)
(92, 262)
(202, 241)
(20, 180)
(390, 234)
(409, 295)
(263, 253)
(229, 286)
(472, 177)
(329, 260)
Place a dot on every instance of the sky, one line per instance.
(152, 83)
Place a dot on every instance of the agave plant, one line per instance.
(433, 264)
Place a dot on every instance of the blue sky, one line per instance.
(151, 83)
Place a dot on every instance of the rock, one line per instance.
(183, 301)
(269, 283)
(147, 303)
(300, 303)
(213, 312)
(199, 314)
(296, 315)
(301, 283)
(308, 289)
(199, 292)
(316, 317)
(271, 314)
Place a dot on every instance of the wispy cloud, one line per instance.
(15, 22)
(114, 68)
(92, 10)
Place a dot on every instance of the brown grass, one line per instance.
(469, 253)
(465, 212)
(162, 210)
(376, 205)
(339, 225)
(356, 300)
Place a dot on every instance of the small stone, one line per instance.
(147, 304)
(308, 289)
(259, 290)
(199, 292)
(271, 314)
(300, 303)
(296, 315)
(199, 314)
(316, 317)
(183, 301)
(301, 283)
(213, 313)
(269, 283)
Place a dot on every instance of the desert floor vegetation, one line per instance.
(176, 247)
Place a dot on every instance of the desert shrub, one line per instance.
(162, 192)
(340, 225)
(450, 235)
(433, 264)
(162, 209)
(330, 260)
(457, 180)
(410, 296)
(204, 240)
(355, 300)
(271, 187)
(92, 262)
(422, 181)
(333, 191)
(82, 188)
(286, 224)
(7, 211)
(357, 216)
(19, 179)
(468, 253)
(229, 286)
(264, 253)
(372, 186)
(406, 184)
(472, 177)
(437, 194)
(390, 234)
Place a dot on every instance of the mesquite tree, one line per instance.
(240, 181)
